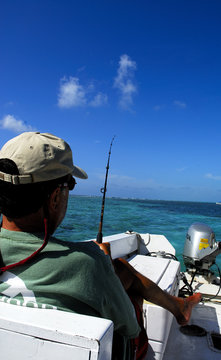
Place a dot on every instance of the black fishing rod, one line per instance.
(103, 191)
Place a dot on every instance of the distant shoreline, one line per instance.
(144, 199)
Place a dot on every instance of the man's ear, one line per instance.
(54, 199)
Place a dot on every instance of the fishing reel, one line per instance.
(201, 248)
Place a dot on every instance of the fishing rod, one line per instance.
(103, 191)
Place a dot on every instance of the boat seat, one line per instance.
(40, 334)
(157, 321)
(130, 243)
(122, 244)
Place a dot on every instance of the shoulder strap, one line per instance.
(30, 257)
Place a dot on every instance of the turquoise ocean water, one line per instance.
(170, 218)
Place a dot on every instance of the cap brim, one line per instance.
(79, 173)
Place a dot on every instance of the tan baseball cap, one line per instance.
(39, 157)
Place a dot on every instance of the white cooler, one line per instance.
(157, 321)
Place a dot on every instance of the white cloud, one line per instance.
(99, 100)
(116, 178)
(180, 104)
(121, 177)
(181, 169)
(9, 103)
(158, 107)
(9, 122)
(71, 93)
(123, 81)
(213, 177)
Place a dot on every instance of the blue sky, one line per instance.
(146, 71)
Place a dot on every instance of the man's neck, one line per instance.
(29, 223)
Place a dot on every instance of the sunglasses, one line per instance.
(70, 183)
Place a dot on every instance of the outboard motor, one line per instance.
(201, 248)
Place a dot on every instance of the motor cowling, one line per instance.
(201, 247)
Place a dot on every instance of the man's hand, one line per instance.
(105, 247)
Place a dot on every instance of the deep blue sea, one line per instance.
(170, 218)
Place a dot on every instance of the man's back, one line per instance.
(68, 276)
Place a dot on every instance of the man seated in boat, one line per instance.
(39, 270)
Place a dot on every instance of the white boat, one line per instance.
(31, 333)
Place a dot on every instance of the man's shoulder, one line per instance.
(81, 255)
(77, 247)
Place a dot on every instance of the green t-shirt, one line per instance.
(67, 276)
